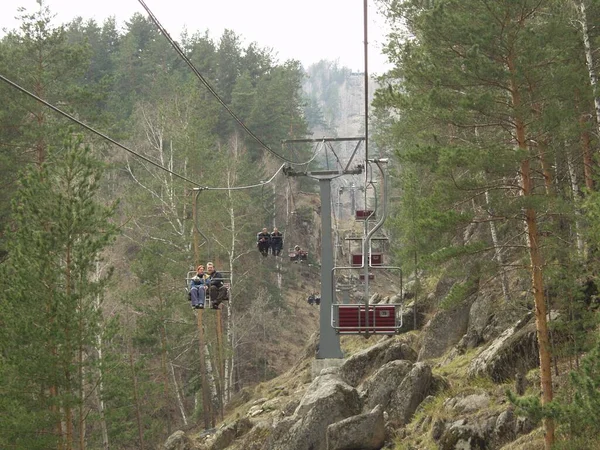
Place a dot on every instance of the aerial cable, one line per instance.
(178, 49)
(96, 132)
(238, 188)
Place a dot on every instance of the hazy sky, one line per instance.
(307, 30)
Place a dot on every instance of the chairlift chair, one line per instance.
(365, 214)
(375, 257)
(226, 283)
(295, 256)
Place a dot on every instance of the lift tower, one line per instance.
(329, 341)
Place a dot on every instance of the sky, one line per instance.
(307, 30)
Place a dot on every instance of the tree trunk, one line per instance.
(497, 250)
(586, 148)
(100, 390)
(206, 409)
(163, 363)
(535, 258)
(575, 192)
(178, 394)
(589, 58)
(136, 397)
(211, 383)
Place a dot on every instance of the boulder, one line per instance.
(467, 404)
(229, 433)
(327, 400)
(410, 393)
(376, 389)
(360, 365)
(480, 314)
(178, 441)
(408, 316)
(462, 434)
(444, 330)
(515, 350)
(364, 431)
(255, 439)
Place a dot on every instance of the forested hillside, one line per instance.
(493, 112)
(491, 120)
(98, 345)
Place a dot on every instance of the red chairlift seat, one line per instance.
(364, 214)
(352, 319)
(362, 276)
(376, 259)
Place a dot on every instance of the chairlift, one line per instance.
(226, 278)
(364, 214)
(375, 257)
(366, 320)
(297, 255)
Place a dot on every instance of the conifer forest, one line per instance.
(125, 164)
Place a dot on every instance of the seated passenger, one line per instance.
(198, 287)
(263, 241)
(217, 290)
(276, 242)
(298, 254)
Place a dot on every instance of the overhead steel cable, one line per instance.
(134, 153)
(181, 53)
(93, 130)
(252, 186)
(237, 188)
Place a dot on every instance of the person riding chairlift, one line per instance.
(217, 290)
(299, 254)
(263, 241)
(198, 286)
(276, 242)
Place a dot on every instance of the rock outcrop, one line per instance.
(377, 389)
(513, 351)
(327, 400)
(178, 441)
(364, 431)
(409, 395)
(362, 364)
(444, 330)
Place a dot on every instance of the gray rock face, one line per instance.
(377, 389)
(408, 316)
(409, 395)
(470, 403)
(444, 330)
(327, 400)
(226, 435)
(178, 441)
(364, 431)
(478, 431)
(362, 364)
(515, 350)
(464, 435)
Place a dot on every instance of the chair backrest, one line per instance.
(352, 319)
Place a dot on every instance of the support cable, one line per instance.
(134, 153)
(93, 130)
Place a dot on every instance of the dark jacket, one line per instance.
(277, 240)
(216, 279)
(263, 238)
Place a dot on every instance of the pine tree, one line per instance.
(49, 322)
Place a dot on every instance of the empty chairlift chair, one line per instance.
(366, 320)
